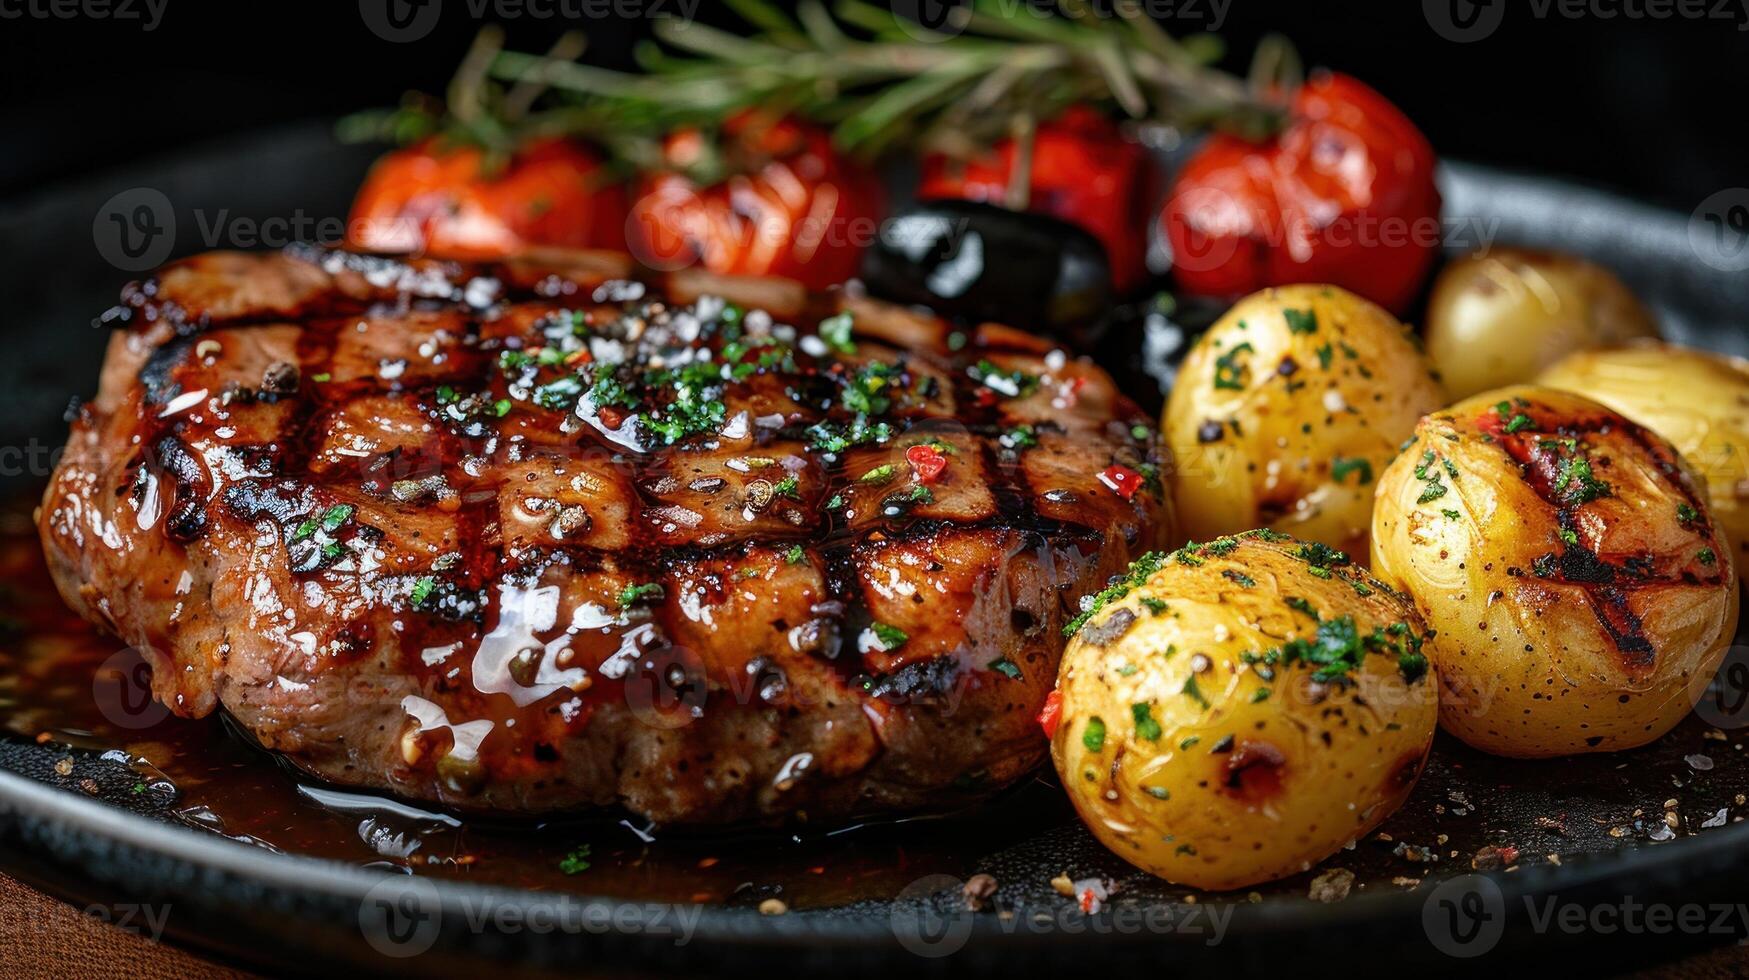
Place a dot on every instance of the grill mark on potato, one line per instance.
(1606, 585)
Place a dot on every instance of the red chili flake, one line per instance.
(984, 397)
(1051, 714)
(1087, 901)
(1122, 480)
(610, 416)
(926, 461)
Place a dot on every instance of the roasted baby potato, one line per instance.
(1500, 317)
(1569, 562)
(1698, 400)
(1285, 411)
(1238, 711)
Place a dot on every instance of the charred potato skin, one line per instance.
(1500, 317)
(1217, 786)
(1287, 409)
(1699, 400)
(1581, 614)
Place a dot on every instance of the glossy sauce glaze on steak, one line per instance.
(560, 533)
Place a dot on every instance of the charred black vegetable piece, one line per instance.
(1144, 341)
(979, 262)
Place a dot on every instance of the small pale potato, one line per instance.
(1500, 317)
(1697, 399)
(1569, 562)
(1238, 711)
(1287, 409)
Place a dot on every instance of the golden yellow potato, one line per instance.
(1238, 711)
(1697, 399)
(1500, 317)
(1568, 560)
(1287, 409)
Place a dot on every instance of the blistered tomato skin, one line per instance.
(1344, 195)
(793, 207)
(1287, 409)
(1084, 171)
(1240, 710)
(1569, 560)
(439, 200)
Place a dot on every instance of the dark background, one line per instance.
(1647, 106)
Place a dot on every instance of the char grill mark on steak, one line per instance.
(574, 583)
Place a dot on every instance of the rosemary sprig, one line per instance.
(879, 84)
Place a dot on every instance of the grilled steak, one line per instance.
(561, 533)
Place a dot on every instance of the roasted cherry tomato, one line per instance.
(1083, 171)
(792, 206)
(1343, 195)
(439, 199)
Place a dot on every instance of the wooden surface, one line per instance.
(43, 938)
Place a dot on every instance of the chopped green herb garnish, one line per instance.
(890, 637)
(631, 595)
(795, 555)
(1147, 728)
(422, 590)
(1007, 668)
(835, 331)
(883, 473)
(1013, 384)
(1229, 373)
(1093, 736)
(1341, 466)
(577, 861)
(1020, 437)
(1139, 572)
(1192, 691)
(1707, 556)
(1301, 321)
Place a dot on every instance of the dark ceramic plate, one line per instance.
(1492, 861)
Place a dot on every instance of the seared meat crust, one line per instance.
(560, 533)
